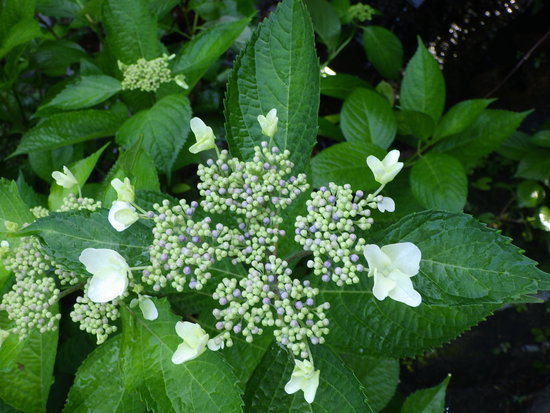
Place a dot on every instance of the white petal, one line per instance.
(375, 257)
(183, 353)
(382, 286)
(391, 158)
(148, 308)
(310, 387)
(374, 163)
(293, 385)
(272, 115)
(405, 256)
(97, 260)
(198, 127)
(216, 343)
(387, 204)
(106, 287)
(404, 292)
(122, 215)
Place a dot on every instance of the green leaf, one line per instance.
(423, 86)
(529, 194)
(345, 163)
(341, 85)
(164, 128)
(26, 370)
(20, 33)
(81, 171)
(418, 124)
(482, 137)
(338, 391)
(99, 384)
(205, 384)
(86, 92)
(379, 377)
(325, 22)
(131, 30)
(367, 117)
(384, 51)
(516, 146)
(542, 138)
(535, 165)
(67, 234)
(12, 207)
(196, 56)
(460, 116)
(54, 56)
(430, 400)
(438, 181)
(278, 69)
(68, 128)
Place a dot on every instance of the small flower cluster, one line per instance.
(28, 305)
(95, 318)
(183, 248)
(329, 232)
(72, 203)
(361, 12)
(269, 297)
(256, 192)
(27, 259)
(148, 75)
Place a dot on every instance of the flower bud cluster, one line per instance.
(40, 212)
(146, 75)
(66, 277)
(184, 249)
(71, 202)
(28, 305)
(28, 259)
(255, 191)
(269, 298)
(329, 232)
(95, 318)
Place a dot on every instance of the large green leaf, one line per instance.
(430, 400)
(67, 234)
(278, 69)
(460, 116)
(164, 129)
(341, 85)
(379, 376)
(438, 181)
(338, 391)
(12, 207)
(423, 86)
(81, 171)
(86, 92)
(384, 51)
(67, 128)
(205, 384)
(345, 163)
(482, 137)
(325, 22)
(367, 117)
(197, 55)
(26, 370)
(418, 124)
(20, 33)
(131, 30)
(535, 165)
(99, 384)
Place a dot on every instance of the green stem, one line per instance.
(72, 289)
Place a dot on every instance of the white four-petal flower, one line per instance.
(124, 190)
(304, 377)
(204, 135)
(386, 169)
(269, 123)
(194, 342)
(110, 274)
(392, 267)
(66, 179)
(122, 215)
(216, 343)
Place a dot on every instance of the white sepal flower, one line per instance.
(124, 190)
(304, 377)
(216, 343)
(204, 135)
(110, 274)
(66, 179)
(392, 267)
(147, 307)
(194, 342)
(122, 215)
(386, 204)
(269, 123)
(386, 169)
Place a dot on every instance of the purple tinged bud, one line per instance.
(195, 239)
(310, 208)
(359, 194)
(222, 301)
(236, 292)
(317, 241)
(293, 323)
(266, 221)
(270, 278)
(268, 267)
(162, 217)
(237, 329)
(275, 200)
(187, 270)
(224, 167)
(164, 257)
(292, 179)
(313, 229)
(306, 283)
(266, 300)
(146, 273)
(326, 264)
(194, 204)
(284, 295)
(354, 257)
(282, 232)
(331, 199)
(359, 268)
(314, 340)
(219, 325)
(189, 211)
(169, 231)
(192, 284)
(266, 165)
(325, 278)
(335, 217)
(280, 310)
(221, 191)
(182, 238)
(150, 214)
(309, 301)
(162, 243)
(210, 162)
(323, 189)
(265, 288)
(261, 240)
(298, 305)
(156, 287)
